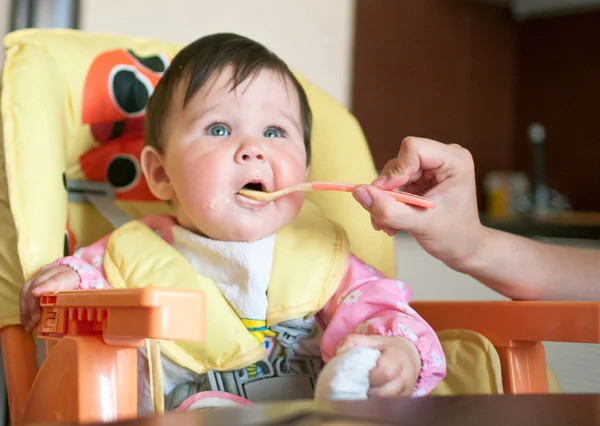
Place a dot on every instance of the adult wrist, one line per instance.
(476, 257)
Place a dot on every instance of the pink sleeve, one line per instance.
(367, 302)
(87, 262)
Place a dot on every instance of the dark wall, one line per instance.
(559, 86)
(443, 69)
(465, 72)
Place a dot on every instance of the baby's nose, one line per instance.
(248, 153)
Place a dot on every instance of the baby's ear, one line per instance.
(155, 174)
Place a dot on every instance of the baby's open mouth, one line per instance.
(251, 195)
(254, 186)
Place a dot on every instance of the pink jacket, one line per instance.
(365, 302)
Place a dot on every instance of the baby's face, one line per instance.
(225, 140)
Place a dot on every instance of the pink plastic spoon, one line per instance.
(404, 197)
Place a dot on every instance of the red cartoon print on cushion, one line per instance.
(116, 91)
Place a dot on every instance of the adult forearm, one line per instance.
(521, 268)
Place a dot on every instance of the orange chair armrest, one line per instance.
(517, 321)
(124, 317)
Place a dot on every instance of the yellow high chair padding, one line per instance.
(553, 383)
(11, 274)
(470, 355)
(50, 107)
(475, 365)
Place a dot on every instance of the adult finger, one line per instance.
(393, 214)
(395, 175)
(415, 156)
(387, 213)
(376, 226)
(389, 231)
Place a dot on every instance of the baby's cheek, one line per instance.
(287, 211)
(197, 182)
(290, 169)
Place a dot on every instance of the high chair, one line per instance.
(71, 137)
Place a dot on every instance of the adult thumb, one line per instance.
(362, 195)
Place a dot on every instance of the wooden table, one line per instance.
(546, 410)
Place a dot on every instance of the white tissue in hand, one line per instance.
(346, 376)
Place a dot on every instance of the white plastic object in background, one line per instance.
(536, 133)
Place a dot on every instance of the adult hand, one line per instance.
(452, 231)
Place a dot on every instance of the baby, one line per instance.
(284, 292)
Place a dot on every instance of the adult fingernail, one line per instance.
(363, 197)
(381, 180)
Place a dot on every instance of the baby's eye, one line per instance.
(273, 132)
(218, 130)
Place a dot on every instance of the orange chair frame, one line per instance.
(94, 335)
(517, 330)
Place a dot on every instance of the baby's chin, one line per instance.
(241, 225)
(244, 231)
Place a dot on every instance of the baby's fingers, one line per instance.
(359, 340)
(400, 386)
(27, 306)
(30, 303)
(388, 369)
(62, 280)
(30, 312)
(33, 308)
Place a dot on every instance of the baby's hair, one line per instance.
(198, 61)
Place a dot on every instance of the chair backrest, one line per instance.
(63, 121)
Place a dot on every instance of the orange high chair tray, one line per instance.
(90, 371)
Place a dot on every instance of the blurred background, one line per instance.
(514, 81)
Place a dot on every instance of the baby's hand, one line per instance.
(55, 278)
(398, 366)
